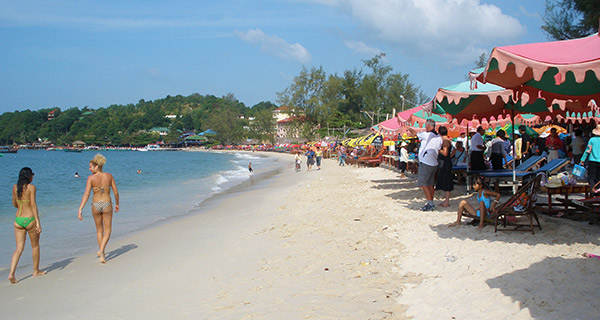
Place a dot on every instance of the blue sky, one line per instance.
(96, 53)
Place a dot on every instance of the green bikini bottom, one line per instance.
(24, 221)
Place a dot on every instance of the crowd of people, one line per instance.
(435, 157)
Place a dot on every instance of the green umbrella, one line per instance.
(509, 129)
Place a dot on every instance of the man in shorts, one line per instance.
(431, 144)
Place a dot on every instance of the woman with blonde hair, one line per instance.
(102, 210)
(27, 221)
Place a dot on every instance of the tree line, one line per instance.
(319, 103)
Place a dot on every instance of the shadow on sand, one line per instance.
(117, 252)
(59, 265)
(565, 288)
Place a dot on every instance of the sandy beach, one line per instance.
(339, 243)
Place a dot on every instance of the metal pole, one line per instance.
(512, 120)
(468, 160)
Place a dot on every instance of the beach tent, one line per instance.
(545, 130)
(489, 104)
(565, 72)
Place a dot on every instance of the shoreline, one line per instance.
(340, 243)
(260, 174)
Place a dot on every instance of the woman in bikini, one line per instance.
(27, 221)
(102, 210)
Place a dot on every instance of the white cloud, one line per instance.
(361, 47)
(152, 72)
(275, 46)
(442, 28)
(534, 15)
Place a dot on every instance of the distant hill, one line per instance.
(121, 124)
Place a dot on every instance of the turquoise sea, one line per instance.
(170, 184)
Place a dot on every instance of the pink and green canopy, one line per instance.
(563, 73)
(483, 103)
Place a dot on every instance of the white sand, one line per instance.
(340, 243)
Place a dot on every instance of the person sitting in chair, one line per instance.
(484, 203)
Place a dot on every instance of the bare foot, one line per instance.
(101, 257)
(480, 227)
(12, 279)
(39, 273)
(443, 204)
(454, 224)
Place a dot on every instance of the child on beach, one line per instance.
(297, 162)
(250, 167)
(403, 159)
(484, 203)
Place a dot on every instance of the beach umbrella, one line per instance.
(560, 72)
(510, 129)
(488, 103)
(546, 129)
(365, 140)
(79, 143)
(376, 140)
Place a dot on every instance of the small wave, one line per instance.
(246, 156)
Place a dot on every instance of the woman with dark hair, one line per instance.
(444, 176)
(498, 151)
(102, 207)
(27, 221)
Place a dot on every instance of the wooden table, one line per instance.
(565, 202)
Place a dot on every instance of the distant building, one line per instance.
(52, 114)
(288, 130)
(171, 116)
(161, 130)
(282, 113)
(287, 124)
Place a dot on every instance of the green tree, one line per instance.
(569, 19)
(228, 125)
(374, 86)
(264, 126)
(352, 101)
(481, 61)
(303, 95)
(331, 98)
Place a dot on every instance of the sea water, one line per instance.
(171, 184)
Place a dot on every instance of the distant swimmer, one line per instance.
(27, 221)
(76, 175)
(250, 167)
(102, 209)
(139, 171)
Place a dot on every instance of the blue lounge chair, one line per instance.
(549, 168)
(526, 165)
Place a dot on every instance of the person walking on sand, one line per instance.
(319, 156)
(310, 159)
(403, 159)
(102, 210)
(592, 154)
(431, 143)
(27, 221)
(445, 178)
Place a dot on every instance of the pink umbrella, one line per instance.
(566, 72)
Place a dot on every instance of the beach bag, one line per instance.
(579, 171)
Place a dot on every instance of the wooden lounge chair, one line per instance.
(368, 161)
(520, 204)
